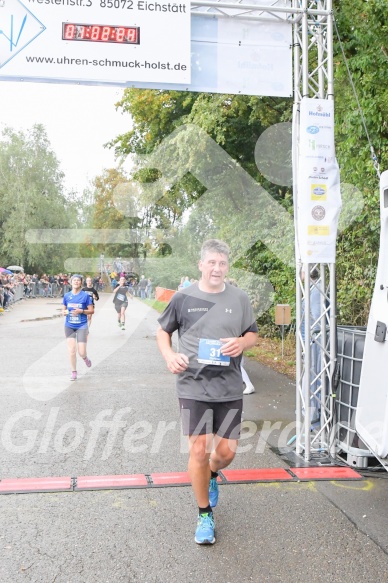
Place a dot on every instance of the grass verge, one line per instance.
(268, 351)
(156, 305)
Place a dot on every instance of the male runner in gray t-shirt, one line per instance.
(215, 324)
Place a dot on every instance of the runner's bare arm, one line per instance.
(176, 361)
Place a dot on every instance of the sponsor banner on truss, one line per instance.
(319, 196)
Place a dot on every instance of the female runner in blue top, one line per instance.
(77, 305)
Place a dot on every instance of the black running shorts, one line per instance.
(203, 418)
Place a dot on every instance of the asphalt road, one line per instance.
(121, 417)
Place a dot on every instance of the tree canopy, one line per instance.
(32, 197)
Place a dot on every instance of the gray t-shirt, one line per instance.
(208, 316)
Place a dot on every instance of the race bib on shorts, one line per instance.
(209, 352)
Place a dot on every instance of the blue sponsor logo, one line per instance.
(312, 130)
(318, 191)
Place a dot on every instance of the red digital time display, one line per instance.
(101, 33)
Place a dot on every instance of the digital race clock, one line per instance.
(101, 33)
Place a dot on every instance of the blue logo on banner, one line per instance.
(312, 130)
(18, 28)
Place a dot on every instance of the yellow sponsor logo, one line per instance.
(321, 230)
(318, 191)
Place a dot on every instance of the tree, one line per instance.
(362, 29)
(31, 197)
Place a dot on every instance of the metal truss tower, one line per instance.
(312, 22)
(316, 348)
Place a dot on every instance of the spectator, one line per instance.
(1, 295)
(66, 285)
(24, 281)
(60, 282)
(143, 287)
(8, 293)
(186, 282)
(44, 283)
(149, 288)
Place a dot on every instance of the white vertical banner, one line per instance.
(319, 196)
(295, 176)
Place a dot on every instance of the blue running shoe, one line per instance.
(213, 492)
(204, 535)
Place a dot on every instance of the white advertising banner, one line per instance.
(238, 56)
(319, 196)
(115, 41)
(253, 53)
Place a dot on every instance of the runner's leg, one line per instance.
(82, 349)
(223, 453)
(82, 337)
(227, 424)
(71, 345)
(199, 469)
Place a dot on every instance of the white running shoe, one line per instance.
(249, 389)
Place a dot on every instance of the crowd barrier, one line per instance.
(18, 294)
(39, 290)
(51, 290)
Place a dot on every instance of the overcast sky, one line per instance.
(78, 119)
